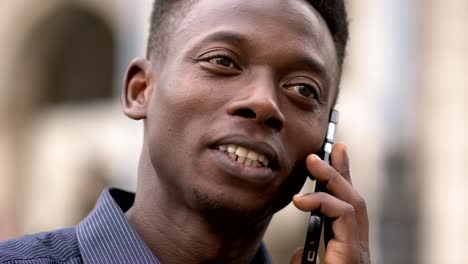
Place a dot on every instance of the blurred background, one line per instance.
(63, 137)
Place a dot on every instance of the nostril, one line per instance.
(271, 122)
(247, 113)
(274, 123)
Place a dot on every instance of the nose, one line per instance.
(258, 102)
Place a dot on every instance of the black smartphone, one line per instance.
(317, 221)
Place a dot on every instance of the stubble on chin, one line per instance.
(222, 208)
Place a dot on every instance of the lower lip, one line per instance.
(236, 169)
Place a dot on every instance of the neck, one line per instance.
(177, 234)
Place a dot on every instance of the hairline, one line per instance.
(158, 54)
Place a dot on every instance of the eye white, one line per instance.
(303, 90)
(225, 62)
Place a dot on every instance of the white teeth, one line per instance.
(244, 156)
(223, 148)
(261, 158)
(252, 155)
(242, 152)
(241, 159)
(231, 148)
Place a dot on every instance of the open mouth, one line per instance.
(245, 156)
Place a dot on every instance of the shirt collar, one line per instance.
(106, 236)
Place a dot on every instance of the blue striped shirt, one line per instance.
(104, 236)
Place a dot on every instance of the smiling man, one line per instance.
(235, 97)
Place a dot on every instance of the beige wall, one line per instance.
(443, 153)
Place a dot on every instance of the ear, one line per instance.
(137, 89)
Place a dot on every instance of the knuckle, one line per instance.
(346, 171)
(349, 210)
(322, 196)
(360, 204)
(332, 180)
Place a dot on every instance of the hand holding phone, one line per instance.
(341, 202)
(316, 220)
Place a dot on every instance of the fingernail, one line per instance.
(298, 195)
(345, 148)
(315, 157)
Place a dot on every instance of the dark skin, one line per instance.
(257, 74)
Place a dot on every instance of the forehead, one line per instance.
(293, 25)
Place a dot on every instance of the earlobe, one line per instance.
(137, 89)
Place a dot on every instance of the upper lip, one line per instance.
(258, 146)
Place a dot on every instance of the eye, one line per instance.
(303, 90)
(223, 61)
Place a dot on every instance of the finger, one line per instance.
(330, 178)
(297, 256)
(342, 189)
(336, 184)
(345, 226)
(340, 160)
(346, 243)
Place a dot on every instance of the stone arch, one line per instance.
(70, 52)
(62, 54)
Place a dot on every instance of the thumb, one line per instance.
(297, 256)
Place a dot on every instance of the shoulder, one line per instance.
(60, 246)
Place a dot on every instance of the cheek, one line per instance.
(172, 127)
(172, 108)
(308, 132)
(304, 138)
(182, 107)
(187, 98)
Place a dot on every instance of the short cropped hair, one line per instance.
(166, 13)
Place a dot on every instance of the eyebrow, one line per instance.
(313, 65)
(226, 36)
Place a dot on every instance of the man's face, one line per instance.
(241, 78)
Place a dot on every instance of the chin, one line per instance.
(223, 207)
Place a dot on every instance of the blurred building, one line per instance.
(63, 136)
